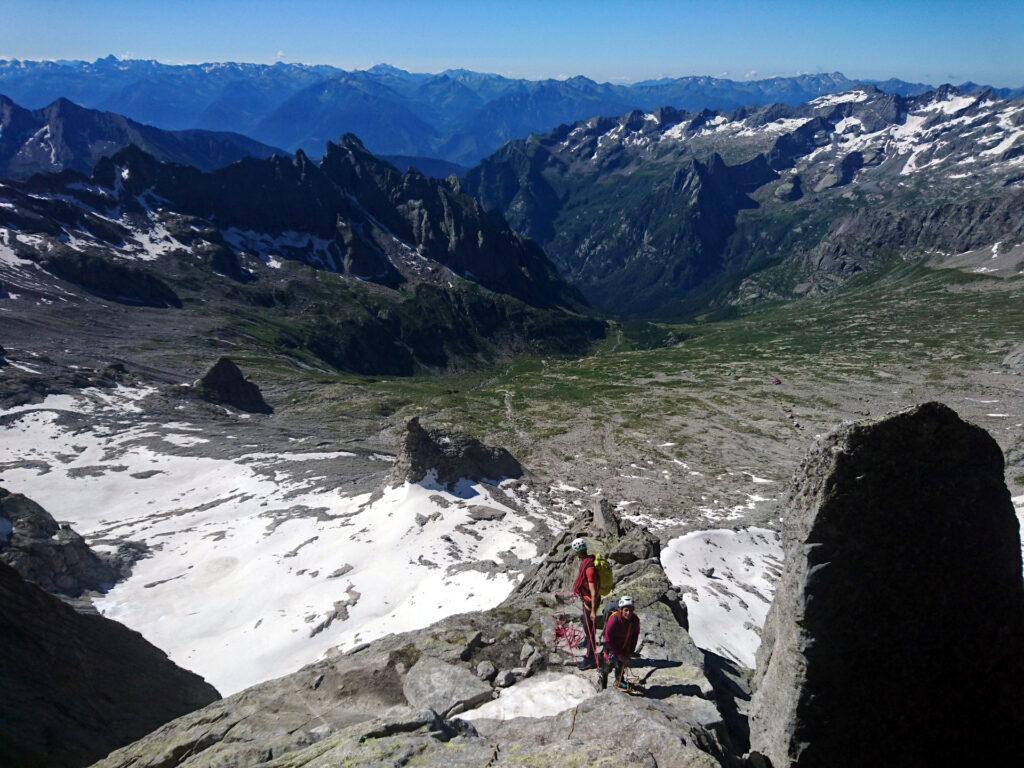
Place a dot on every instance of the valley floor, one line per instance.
(272, 540)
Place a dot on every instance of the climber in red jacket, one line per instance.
(588, 589)
(621, 633)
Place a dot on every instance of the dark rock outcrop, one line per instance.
(118, 282)
(897, 632)
(76, 686)
(452, 455)
(21, 388)
(225, 384)
(47, 553)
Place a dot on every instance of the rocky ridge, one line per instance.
(397, 700)
(65, 136)
(346, 263)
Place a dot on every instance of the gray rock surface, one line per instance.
(485, 670)
(453, 456)
(76, 686)
(441, 687)
(1014, 360)
(897, 632)
(47, 553)
(225, 384)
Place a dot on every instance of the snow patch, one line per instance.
(543, 695)
(839, 98)
(728, 607)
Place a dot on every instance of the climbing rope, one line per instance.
(634, 683)
(568, 635)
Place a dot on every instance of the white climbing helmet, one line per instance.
(625, 601)
(578, 545)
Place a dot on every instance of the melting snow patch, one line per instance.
(839, 98)
(543, 695)
(728, 580)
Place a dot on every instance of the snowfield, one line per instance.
(258, 566)
(727, 578)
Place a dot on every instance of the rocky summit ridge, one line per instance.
(398, 700)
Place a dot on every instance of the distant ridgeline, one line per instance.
(456, 115)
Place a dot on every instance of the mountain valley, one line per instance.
(337, 419)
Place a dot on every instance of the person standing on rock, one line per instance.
(621, 634)
(588, 589)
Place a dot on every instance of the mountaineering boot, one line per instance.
(587, 663)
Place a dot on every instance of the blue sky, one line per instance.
(922, 40)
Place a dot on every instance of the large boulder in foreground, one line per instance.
(76, 686)
(225, 384)
(895, 637)
(47, 553)
(453, 456)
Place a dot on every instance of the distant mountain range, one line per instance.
(457, 115)
(660, 213)
(65, 136)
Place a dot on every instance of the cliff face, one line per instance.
(76, 686)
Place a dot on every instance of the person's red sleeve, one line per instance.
(591, 574)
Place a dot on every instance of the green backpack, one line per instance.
(605, 577)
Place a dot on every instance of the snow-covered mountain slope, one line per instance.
(660, 212)
(965, 134)
(259, 560)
